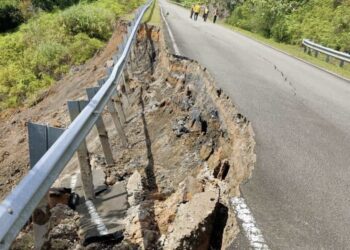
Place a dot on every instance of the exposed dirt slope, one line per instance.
(189, 150)
(51, 108)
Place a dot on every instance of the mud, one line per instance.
(189, 148)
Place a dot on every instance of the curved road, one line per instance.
(300, 190)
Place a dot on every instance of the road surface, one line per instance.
(300, 190)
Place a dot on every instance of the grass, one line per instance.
(297, 51)
(152, 16)
(42, 50)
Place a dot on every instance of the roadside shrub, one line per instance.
(49, 5)
(10, 15)
(44, 27)
(280, 32)
(15, 83)
(324, 21)
(49, 44)
(83, 47)
(94, 21)
(11, 47)
(49, 58)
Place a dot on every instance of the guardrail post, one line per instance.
(327, 58)
(341, 64)
(102, 81)
(116, 117)
(102, 132)
(109, 71)
(122, 89)
(127, 87)
(74, 108)
(309, 51)
(316, 53)
(118, 125)
(119, 107)
(115, 58)
(41, 138)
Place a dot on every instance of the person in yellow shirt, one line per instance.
(196, 10)
(192, 12)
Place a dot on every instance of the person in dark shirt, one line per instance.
(216, 13)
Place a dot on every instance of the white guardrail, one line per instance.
(309, 45)
(18, 206)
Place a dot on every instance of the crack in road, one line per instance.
(283, 75)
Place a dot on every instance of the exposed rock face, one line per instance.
(195, 151)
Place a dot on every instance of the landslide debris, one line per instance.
(189, 151)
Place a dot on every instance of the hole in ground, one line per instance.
(225, 168)
(221, 216)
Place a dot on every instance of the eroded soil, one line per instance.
(189, 149)
(51, 108)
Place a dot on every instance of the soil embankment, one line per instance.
(190, 149)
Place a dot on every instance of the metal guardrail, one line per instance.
(309, 45)
(17, 207)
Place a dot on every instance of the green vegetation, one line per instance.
(152, 16)
(49, 5)
(44, 48)
(324, 21)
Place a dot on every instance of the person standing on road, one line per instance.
(205, 13)
(196, 10)
(216, 13)
(192, 11)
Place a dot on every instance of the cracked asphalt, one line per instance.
(299, 192)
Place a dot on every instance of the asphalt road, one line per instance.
(300, 190)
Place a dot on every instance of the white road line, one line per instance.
(252, 232)
(176, 49)
(73, 181)
(95, 218)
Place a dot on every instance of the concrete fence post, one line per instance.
(309, 51)
(74, 108)
(117, 123)
(119, 107)
(102, 132)
(327, 58)
(127, 87)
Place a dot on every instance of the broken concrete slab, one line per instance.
(74, 182)
(103, 218)
(135, 189)
(192, 226)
